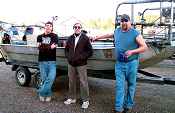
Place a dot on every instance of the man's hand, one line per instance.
(53, 46)
(92, 38)
(38, 45)
(129, 53)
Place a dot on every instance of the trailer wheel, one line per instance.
(37, 80)
(23, 76)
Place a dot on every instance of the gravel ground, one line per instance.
(150, 98)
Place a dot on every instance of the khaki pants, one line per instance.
(81, 73)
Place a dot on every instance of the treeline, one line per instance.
(101, 23)
(107, 24)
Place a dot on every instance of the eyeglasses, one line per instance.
(124, 20)
(77, 27)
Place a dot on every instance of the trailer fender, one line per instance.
(14, 67)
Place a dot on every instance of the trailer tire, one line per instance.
(37, 80)
(23, 76)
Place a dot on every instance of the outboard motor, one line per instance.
(6, 39)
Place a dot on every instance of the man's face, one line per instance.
(125, 24)
(48, 28)
(77, 28)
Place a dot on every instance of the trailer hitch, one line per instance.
(155, 79)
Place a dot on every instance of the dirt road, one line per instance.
(150, 98)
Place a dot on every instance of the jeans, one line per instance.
(125, 71)
(47, 73)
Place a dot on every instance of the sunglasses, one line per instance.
(77, 27)
(124, 20)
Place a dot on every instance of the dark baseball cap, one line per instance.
(125, 16)
(49, 23)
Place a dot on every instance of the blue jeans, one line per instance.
(125, 71)
(47, 73)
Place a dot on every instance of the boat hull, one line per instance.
(103, 57)
(28, 56)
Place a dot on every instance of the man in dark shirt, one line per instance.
(47, 43)
(78, 49)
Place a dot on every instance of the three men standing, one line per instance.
(128, 44)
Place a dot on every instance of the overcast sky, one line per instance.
(34, 10)
(24, 9)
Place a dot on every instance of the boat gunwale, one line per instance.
(34, 46)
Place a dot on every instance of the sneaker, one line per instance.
(41, 98)
(48, 99)
(70, 101)
(85, 105)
